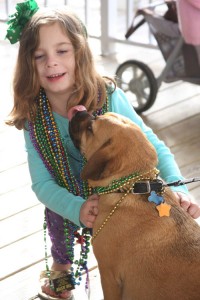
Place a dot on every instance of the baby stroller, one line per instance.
(182, 60)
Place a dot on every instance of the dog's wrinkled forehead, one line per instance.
(83, 122)
(115, 122)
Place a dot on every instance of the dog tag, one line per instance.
(164, 209)
(155, 198)
(63, 283)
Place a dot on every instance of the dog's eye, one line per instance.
(89, 128)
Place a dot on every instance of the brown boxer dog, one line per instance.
(146, 246)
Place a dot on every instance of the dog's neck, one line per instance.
(125, 182)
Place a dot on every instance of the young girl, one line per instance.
(55, 71)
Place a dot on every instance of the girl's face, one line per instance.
(55, 61)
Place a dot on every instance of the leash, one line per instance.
(157, 185)
(182, 182)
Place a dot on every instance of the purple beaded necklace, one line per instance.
(47, 141)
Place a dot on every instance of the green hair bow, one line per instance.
(18, 20)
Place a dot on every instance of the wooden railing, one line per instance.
(106, 20)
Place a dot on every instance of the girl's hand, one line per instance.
(89, 211)
(188, 204)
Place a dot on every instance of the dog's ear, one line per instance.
(96, 166)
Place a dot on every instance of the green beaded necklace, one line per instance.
(123, 182)
(115, 184)
(46, 138)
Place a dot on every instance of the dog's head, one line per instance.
(113, 146)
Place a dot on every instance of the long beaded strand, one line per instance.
(46, 139)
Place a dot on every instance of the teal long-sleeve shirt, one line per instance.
(64, 203)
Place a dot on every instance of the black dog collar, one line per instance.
(157, 185)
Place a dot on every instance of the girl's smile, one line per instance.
(55, 77)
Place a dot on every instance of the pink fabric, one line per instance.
(189, 20)
(195, 3)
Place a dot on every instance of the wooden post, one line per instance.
(108, 26)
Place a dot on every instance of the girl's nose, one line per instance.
(51, 62)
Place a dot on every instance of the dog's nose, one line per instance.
(77, 119)
(73, 110)
(80, 121)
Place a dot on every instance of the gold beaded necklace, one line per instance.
(125, 183)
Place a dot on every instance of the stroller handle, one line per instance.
(146, 11)
(132, 29)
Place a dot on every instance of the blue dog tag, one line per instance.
(155, 198)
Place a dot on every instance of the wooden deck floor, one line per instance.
(175, 117)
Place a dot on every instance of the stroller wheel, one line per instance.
(138, 82)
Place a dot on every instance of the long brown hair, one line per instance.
(89, 85)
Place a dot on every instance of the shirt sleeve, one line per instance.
(54, 197)
(167, 165)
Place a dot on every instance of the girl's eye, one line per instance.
(62, 51)
(38, 56)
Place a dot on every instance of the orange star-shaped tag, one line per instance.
(164, 209)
